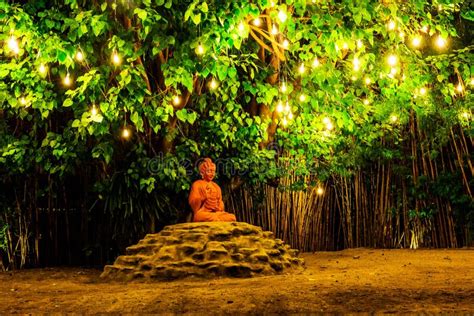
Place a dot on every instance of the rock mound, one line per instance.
(204, 250)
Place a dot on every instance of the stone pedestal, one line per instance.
(211, 249)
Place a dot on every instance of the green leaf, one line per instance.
(67, 103)
(196, 18)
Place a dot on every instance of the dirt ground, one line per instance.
(350, 281)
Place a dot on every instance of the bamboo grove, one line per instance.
(335, 124)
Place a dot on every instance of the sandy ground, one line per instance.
(350, 281)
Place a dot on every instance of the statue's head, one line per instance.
(207, 169)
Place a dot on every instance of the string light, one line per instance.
(416, 41)
(23, 101)
(94, 110)
(345, 46)
(79, 56)
(257, 22)
(274, 30)
(287, 107)
(392, 60)
(459, 88)
(320, 190)
(328, 123)
(283, 87)
(301, 68)
(359, 44)
(424, 29)
(290, 116)
(315, 62)
(284, 121)
(391, 25)
(286, 44)
(176, 100)
(282, 16)
(356, 64)
(354, 78)
(367, 80)
(241, 27)
(393, 118)
(126, 133)
(472, 81)
(279, 107)
(393, 72)
(213, 84)
(67, 80)
(440, 42)
(302, 97)
(13, 45)
(116, 58)
(200, 49)
(423, 91)
(466, 115)
(366, 101)
(42, 69)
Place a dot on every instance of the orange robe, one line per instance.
(205, 199)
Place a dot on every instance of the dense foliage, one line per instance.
(154, 85)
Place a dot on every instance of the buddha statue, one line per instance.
(205, 197)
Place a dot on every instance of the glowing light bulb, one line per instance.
(272, 3)
(282, 16)
(290, 116)
(465, 115)
(416, 41)
(23, 101)
(366, 102)
(367, 80)
(423, 91)
(354, 78)
(241, 27)
(274, 29)
(359, 44)
(125, 133)
(459, 88)
(79, 56)
(345, 46)
(424, 29)
(326, 120)
(287, 107)
(302, 97)
(13, 45)
(391, 25)
(393, 118)
(42, 69)
(67, 80)
(301, 68)
(392, 60)
(94, 110)
(279, 107)
(472, 81)
(356, 64)
(320, 191)
(315, 62)
(176, 100)
(402, 35)
(393, 72)
(257, 22)
(284, 121)
(286, 44)
(213, 84)
(329, 126)
(283, 87)
(200, 49)
(440, 42)
(116, 59)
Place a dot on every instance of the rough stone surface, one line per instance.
(205, 250)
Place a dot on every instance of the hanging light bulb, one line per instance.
(326, 120)
(284, 121)
(290, 116)
(13, 45)
(285, 44)
(424, 29)
(459, 88)
(315, 62)
(23, 101)
(116, 58)
(366, 101)
(391, 25)
(359, 44)
(301, 69)
(393, 72)
(287, 107)
(67, 80)
(279, 107)
(257, 22)
(367, 80)
(472, 81)
(302, 97)
(392, 60)
(283, 87)
(441, 42)
(320, 190)
(282, 16)
(345, 46)
(94, 110)
(423, 91)
(213, 84)
(274, 29)
(200, 49)
(79, 56)
(393, 118)
(241, 27)
(42, 69)
(126, 133)
(176, 100)
(416, 41)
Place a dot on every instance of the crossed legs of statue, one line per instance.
(208, 216)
